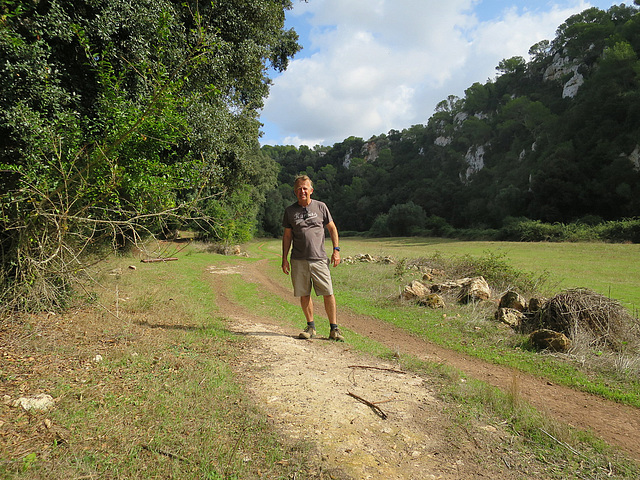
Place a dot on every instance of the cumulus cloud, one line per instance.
(374, 65)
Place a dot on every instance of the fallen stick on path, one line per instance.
(377, 410)
(378, 368)
(152, 260)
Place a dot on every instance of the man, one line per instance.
(304, 223)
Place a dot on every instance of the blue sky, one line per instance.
(369, 66)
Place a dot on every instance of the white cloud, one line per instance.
(376, 65)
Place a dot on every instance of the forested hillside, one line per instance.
(552, 139)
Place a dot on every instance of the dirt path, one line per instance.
(617, 424)
(314, 392)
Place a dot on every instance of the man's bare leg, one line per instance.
(307, 307)
(331, 309)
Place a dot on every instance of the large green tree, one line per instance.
(125, 117)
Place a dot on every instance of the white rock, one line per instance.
(41, 402)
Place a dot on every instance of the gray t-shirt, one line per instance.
(307, 224)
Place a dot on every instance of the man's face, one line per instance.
(303, 191)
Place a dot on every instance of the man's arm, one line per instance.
(335, 240)
(286, 246)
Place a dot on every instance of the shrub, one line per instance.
(621, 230)
(405, 219)
(380, 227)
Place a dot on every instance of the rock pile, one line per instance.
(464, 290)
(366, 258)
(515, 311)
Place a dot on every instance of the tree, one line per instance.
(511, 65)
(540, 51)
(406, 219)
(476, 98)
(125, 117)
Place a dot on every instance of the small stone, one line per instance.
(41, 402)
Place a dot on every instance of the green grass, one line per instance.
(373, 289)
(165, 403)
(289, 314)
(172, 408)
(607, 268)
(566, 452)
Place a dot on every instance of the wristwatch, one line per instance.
(337, 249)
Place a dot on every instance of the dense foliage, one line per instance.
(554, 140)
(125, 117)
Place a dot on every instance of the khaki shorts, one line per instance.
(305, 273)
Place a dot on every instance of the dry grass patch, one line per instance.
(143, 388)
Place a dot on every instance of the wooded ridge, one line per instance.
(553, 139)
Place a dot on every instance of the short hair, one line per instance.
(301, 179)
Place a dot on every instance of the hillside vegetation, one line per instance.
(552, 140)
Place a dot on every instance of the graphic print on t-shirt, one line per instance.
(300, 217)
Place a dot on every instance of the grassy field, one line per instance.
(609, 269)
(164, 402)
(371, 289)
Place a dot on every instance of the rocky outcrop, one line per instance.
(475, 160)
(559, 69)
(571, 88)
(371, 151)
(443, 141)
(635, 158)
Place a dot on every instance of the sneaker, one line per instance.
(336, 335)
(308, 333)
